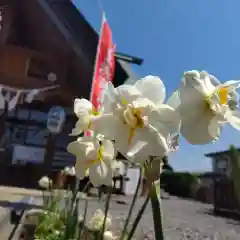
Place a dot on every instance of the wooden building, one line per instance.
(224, 197)
(43, 44)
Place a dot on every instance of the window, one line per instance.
(5, 140)
(37, 135)
(23, 114)
(19, 133)
(38, 116)
(222, 165)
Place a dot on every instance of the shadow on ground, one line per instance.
(18, 205)
(231, 217)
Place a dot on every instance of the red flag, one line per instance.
(104, 64)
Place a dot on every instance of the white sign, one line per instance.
(131, 185)
(56, 118)
(24, 154)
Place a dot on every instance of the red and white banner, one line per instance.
(104, 64)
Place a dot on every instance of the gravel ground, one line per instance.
(183, 219)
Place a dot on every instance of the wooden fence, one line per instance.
(224, 196)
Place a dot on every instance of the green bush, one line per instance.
(178, 183)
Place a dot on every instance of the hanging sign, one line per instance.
(56, 119)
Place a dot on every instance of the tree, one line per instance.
(235, 170)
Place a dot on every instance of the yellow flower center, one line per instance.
(98, 159)
(222, 94)
(133, 118)
(93, 112)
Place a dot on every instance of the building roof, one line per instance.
(57, 28)
(81, 30)
(213, 154)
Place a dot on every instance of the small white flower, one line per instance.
(45, 182)
(137, 119)
(70, 171)
(108, 235)
(84, 110)
(97, 220)
(95, 157)
(205, 106)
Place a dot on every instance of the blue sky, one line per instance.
(173, 36)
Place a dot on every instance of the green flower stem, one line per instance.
(150, 172)
(132, 205)
(75, 192)
(84, 220)
(157, 214)
(106, 212)
(138, 218)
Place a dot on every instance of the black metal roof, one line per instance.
(86, 37)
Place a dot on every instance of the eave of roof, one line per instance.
(67, 17)
(213, 154)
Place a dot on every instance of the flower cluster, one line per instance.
(136, 122)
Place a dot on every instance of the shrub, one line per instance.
(178, 183)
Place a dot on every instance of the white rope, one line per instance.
(23, 90)
(100, 5)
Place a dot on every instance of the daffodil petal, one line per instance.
(98, 173)
(231, 84)
(82, 105)
(167, 116)
(202, 129)
(174, 100)
(106, 124)
(152, 88)
(192, 102)
(126, 94)
(81, 125)
(233, 118)
(109, 101)
(146, 141)
(81, 167)
(108, 150)
(74, 148)
(193, 79)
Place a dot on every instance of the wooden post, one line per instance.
(49, 154)
(55, 121)
(3, 164)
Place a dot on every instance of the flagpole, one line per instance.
(97, 54)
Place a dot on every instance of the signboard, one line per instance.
(131, 185)
(24, 154)
(55, 120)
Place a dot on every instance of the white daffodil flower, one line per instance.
(84, 110)
(93, 158)
(45, 182)
(69, 171)
(108, 235)
(137, 119)
(97, 220)
(205, 105)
